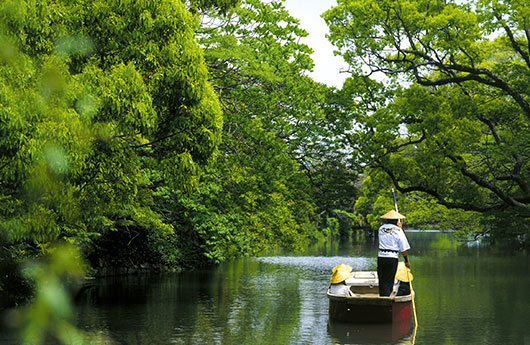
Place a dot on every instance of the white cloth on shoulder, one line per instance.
(340, 290)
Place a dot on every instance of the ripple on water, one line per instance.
(322, 263)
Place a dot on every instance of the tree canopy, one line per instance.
(94, 94)
(112, 118)
(457, 127)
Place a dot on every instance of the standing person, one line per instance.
(392, 241)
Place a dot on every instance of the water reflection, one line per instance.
(464, 295)
(471, 295)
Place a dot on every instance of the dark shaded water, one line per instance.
(465, 295)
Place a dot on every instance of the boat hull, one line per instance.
(369, 333)
(369, 310)
(366, 306)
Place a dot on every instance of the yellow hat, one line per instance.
(392, 215)
(401, 273)
(340, 273)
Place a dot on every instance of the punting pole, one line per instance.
(413, 307)
(395, 202)
(410, 282)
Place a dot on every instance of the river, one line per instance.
(465, 294)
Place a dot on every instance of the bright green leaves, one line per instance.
(267, 41)
(118, 96)
(39, 144)
(455, 130)
(277, 137)
(91, 91)
(494, 15)
(161, 89)
(451, 28)
(256, 195)
(380, 36)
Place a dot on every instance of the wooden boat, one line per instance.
(367, 306)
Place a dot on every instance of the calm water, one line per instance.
(465, 295)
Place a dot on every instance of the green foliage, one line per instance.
(222, 5)
(95, 98)
(91, 91)
(279, 142)
(50, 312)
(331, 229)
(108, 116)
(456, 131)
(255, 195)
(49, 316)
(271, 117)
(422, 211)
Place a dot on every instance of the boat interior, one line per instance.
(365, 285)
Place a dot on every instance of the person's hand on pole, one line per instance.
(406, 258)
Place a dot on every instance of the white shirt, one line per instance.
(340, 290)
(392, 237)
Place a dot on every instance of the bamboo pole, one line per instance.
(413, 295)
(413, 303)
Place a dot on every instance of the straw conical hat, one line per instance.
(401, 273)
(340, 273)
(342, 267)
(392, 215)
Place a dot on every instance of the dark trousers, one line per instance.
(386, 271)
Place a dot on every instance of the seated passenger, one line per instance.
(338, 281)
(402, 283)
